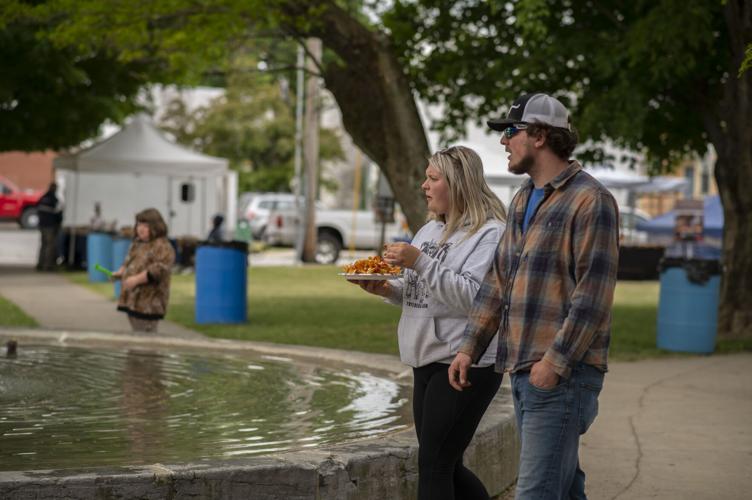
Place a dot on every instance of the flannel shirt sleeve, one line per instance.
(596, 259)
(484, 317)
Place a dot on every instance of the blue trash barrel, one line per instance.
(120, 248)
(221, 282)
(688, 305)
(98, 251)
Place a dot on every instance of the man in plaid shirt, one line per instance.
(548, 296)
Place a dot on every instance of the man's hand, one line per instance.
(458, 371)
(543, 376)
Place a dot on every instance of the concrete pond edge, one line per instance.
(380, 468)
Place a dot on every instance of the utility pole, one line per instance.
(298, 187)
(383, 208)
(356, 199)
(311, 148)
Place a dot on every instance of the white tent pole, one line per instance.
(169, 204)
(72, 242)
(231, 198)
(204, 215)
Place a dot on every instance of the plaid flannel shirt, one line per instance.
(550, 290)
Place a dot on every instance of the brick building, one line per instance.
(28, 170)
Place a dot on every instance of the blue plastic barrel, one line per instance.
(688, 306)
(221, 283)
(98, 251)
(120, 248)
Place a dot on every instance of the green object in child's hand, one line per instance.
(103, 270)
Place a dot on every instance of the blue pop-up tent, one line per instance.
(663, 225)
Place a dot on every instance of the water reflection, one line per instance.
(65, 407)
(144, 403)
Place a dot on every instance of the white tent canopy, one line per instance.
(141, 148)
(623, 184)
(662, 184)
(619, 179)
(138, 168)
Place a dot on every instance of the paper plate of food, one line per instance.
(371, 268)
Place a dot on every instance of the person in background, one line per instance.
(217, 233)
(443, 268)
(50, 214)
(548, 298)
(145, 274)
(97, 223)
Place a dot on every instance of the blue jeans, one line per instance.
(549, 423)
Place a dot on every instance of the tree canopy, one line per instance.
(642, 74)
(747, 64)
(253, 126)
(54, 96)
(665, 77)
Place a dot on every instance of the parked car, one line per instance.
(336, 229)
(628, 220)
(255, 208)
(18, 205)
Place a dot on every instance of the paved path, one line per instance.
(56, 303)
(673, 429)
(18, 246)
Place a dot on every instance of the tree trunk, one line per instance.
(731, 134)
(377, 104)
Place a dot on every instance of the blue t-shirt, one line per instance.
(536, 196)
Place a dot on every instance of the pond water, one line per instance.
(63, 407)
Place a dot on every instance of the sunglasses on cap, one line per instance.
(513, 130)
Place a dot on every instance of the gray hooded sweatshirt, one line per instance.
(437, 294)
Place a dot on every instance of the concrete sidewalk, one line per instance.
(671, 429)
(678, 428)
(57, 304)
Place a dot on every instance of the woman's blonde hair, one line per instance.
(471, 201)
(152, 218)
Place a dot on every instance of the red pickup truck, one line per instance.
(18, 205)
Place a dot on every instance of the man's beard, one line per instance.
(523, 166)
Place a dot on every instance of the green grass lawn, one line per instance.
(293, 305)
(12, 315)
(313, 306)
(633, 320)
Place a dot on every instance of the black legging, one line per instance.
(445, 420)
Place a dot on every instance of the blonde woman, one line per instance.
(145, 289)
(443, 268)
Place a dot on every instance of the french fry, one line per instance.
(371, 265)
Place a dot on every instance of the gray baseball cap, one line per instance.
(534, 108)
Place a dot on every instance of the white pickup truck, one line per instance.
(336, 229)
